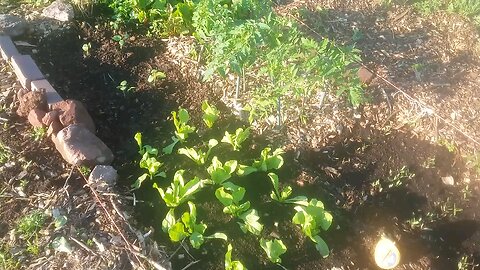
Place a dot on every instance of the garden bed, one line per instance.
(380, 174)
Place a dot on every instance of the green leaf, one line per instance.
(219, 172)
(138, 139)
(236, 139)
(169, 149)
(196, 240)
(139, 181)
(217, 236)
(232, 265)
(274, 249)
(252, 224)
(169, 220)
(321, 246)
(177, 232)
(210, 114)
(244, 170)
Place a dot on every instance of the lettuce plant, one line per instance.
(232, 265)
(284, 194)
(182, 129)
(219, 172)
(210, 114)
(180, 121)
(266, 162)
(148, 162)
(187, 226)
(179, 191)
(235, 140)
(313, 218)
(198, 157)
(274, 249)
(230, 196)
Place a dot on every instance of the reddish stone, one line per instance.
(30, 101)
(50, 92)
(50, 117)
(78, 146)
(365, 75)
(73, 112)
(54, 128)
(35, 118)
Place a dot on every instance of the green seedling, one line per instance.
(282, 195)
(187, 226)
(313, 218)
(219, 172)
(274, 249)
(169, 148)
(142, 149)
(230, 196)
(121, 39)
(232, 265)
(182, 128)
(86, 49)
(85, 170)
(210, 114)
(39, 133)
(266, 162)
(149, 162)
(179, 191)
(235, 140)
(198, 157)
(251, 222)
(125, 88)
(156, 75)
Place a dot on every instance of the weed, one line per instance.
(85, 170)
(7, 262)
(31, 223)
(393, 181)
(125, 88)
(450, 145)
(156, 75)
(121, 39)
(39, 133)
(467, 262)
(5, 153)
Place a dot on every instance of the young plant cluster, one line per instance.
(280, 65)
(209, 167)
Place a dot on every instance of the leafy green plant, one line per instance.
(39, 133)
(235, 140)
(232, 265)
(210, 114)
(30, 224)
(313, 218)
(230, 196)
(274, 249)
(266, 162)
(155, 75)
(121, 39)
(198, 157)
(125, 88)
(187, 226)
(149, 162)
(5, 153)
(181, 126)
(219, 172)
(284, 194)
(179, 191)
(7, 261)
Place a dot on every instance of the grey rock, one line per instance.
(12, 25)
(79, 146)
(102, 177)
(59, 10)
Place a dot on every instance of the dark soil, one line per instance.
(352, 173)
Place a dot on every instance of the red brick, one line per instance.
(365, 75)
(26, 70)
(52, 94)
(7, 48)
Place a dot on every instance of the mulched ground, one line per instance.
(337, 158)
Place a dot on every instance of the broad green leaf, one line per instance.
(252, 224)
(169, 148)
(232, 265)
(244, 170)
(217, 236)
(274, 249)
(177, 232)
(169, 220)
(139, 181)
(210, 114)
(138, 139)
(321, 246)
(196, 240)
